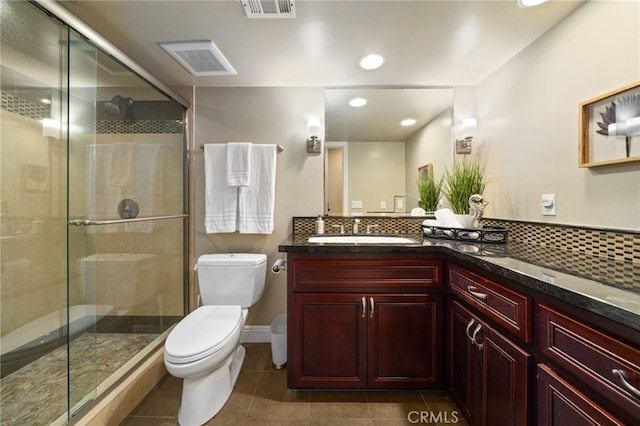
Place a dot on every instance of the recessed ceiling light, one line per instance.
(371, 62)
(530, 3)
(408, 122)
(358, 102)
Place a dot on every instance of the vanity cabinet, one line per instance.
(369, 321)
(488, 373)
(592, 374)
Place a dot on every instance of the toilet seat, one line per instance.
(201, 333)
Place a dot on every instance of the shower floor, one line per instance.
(37, 393)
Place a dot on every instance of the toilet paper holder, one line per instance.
(278, 266)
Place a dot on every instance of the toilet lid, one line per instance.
(202, 332)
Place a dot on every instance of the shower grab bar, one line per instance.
(89, 222)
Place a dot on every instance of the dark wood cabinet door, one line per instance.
(560, 404)
(461, 357)
(489, 374)
(328, 341)
(405, 341)
(505, 379)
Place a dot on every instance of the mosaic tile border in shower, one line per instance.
(24, 107)
(37, 111)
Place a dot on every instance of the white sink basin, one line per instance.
(361, 239)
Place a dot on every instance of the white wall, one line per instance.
(431, 144)
(528, 121)
(376, 174)
(262, 115)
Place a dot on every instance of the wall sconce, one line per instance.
(314, 144)
(463, 146)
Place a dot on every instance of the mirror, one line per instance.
(371, 160)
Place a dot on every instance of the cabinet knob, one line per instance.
(371, 306)
(364, 306)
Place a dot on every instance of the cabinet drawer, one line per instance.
(319, 272)
(592, 357)
(559, 401)
(508, 308)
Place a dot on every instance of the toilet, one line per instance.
(203, 348)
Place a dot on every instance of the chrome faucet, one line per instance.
(370, 227)
(339, 226)
(356, 222)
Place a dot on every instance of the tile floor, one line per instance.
(261, 397)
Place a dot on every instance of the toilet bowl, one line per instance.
(203, 348)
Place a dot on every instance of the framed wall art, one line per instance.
(610, 128)
(425, 170)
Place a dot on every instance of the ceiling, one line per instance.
(426, 44)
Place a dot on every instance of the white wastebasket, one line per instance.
(278, 332)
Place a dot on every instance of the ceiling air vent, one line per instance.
(269, 8)
(199, 57)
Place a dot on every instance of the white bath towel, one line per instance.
(221, 200)
(257, 201)
(121, 164)
(102, 198)
(238, 163)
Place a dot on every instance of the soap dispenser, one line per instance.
(319, 225)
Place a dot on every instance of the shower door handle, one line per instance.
(91, 222)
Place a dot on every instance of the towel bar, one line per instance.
(280, 148)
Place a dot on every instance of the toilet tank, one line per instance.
(231, 278)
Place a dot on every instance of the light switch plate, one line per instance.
(548, 203)
(356, 204)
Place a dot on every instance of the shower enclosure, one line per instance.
(93, 217)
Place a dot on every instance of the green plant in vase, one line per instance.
(430, 191)
(461, 181)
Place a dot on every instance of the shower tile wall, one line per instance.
(33, 246)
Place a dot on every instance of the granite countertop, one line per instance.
(606, 299)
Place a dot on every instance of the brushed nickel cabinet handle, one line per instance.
(473, 338)
(364, 306)
(474, 292)
(625, 384)
(469, 328)
(371, 306)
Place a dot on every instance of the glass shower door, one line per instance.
(126, 219)
(33, 280)
(93, 215)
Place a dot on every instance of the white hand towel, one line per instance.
(221, 200)
(121, 164)
(257, 201)
(447, 219)
(238, 163)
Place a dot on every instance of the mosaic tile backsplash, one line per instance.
(610, 256)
